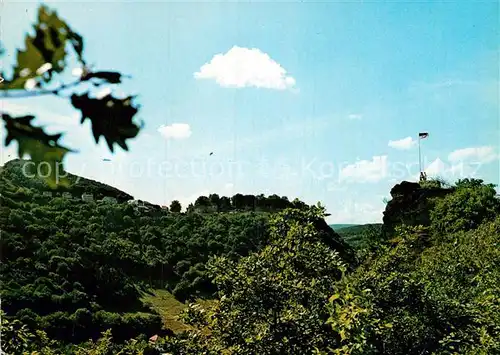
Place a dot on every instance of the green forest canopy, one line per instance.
(72, 270)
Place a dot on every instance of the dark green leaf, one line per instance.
(43, 148)
(110, 117)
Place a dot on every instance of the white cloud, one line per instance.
(355, 116)
(365, 170)
(243, 67)
(451, 171)
(403, 144)
(462, 163)
(175, 131)
(354, 211)
(437, 168)
(484, 154)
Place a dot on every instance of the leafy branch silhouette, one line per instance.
(39, 65)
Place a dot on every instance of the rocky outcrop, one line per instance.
(410, 205)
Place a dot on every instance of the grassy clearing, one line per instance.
(167, 307)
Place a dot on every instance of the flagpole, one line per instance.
(419, 156)
(421, 135)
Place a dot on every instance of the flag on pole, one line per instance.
(423, 135)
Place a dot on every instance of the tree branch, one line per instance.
(23, 94)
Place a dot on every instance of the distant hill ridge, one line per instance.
(12, 174)
(356, 235)
(338, 227)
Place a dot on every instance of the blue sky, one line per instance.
(321, 101)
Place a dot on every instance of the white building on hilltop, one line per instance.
(87, 197)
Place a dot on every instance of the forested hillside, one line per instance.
(278, 283)
(430, 286)
(359, 236)
(76, 268)
(338, 227)
(21, 173)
